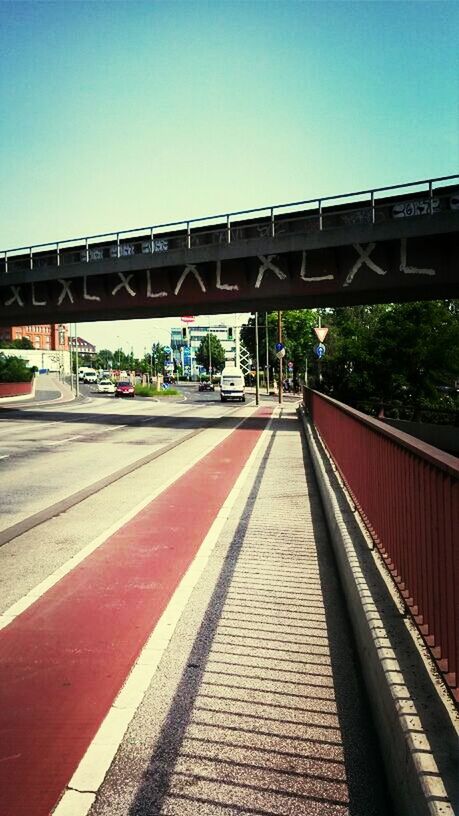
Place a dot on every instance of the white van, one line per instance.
(87, 375)
(232, 385)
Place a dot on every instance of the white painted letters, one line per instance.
(364, 258)
(189, 268)
(66, 284)
(15, 297)
(266, 263)
(124, 284)
(411, 270)
(316, 277)
(36, 302)
(151, 294)
(228, 286)
(86, 296)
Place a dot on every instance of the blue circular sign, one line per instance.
(279, 346)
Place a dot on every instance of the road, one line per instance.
(207, 565)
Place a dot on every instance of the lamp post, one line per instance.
(257, 373)
(279, 340)
(267, 353)
(210, 354)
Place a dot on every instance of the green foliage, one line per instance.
(401, 351)
(149, 391)
(217, 353)
(23, 343)
(15, 369)
(297, 337)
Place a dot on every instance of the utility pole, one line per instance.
(71, 356)
(77, 382)
(279, 340)
(257, 373)
(210, 354)
(267, 353)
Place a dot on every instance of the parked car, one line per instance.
(105, 387)
(206, 386)
(124, 389)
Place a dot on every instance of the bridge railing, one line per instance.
(416, 198)
(407, 493)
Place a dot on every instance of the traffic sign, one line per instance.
(290, 366)
(279, 346)
(187, 319)
(321, 333)
(319, 350)
(280, 353)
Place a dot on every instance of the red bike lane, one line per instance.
(63, 660)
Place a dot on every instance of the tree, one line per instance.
(217, 353)
(393, 352)
(297, 337)
(15, 369)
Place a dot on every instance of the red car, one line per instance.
(124, 389)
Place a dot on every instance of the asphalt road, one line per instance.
(58, 450)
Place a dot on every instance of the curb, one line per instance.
(414, 716)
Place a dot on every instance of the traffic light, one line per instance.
(230, 333)
(184, 333)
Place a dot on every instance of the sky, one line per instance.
(117, 115)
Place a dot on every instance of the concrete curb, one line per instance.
(414, 715)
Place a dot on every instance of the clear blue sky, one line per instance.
(123, 114)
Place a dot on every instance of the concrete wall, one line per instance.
(51, 360)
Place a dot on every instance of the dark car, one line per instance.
(124, 389)
(206, 386)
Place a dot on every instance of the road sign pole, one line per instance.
(257, 364)
(279, 340)
(267, 353)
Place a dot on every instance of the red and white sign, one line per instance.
(187, 319)
(321, 333)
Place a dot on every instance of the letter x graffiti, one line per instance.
(364, 258)
(16, 296)
(266, 263)
(124, 284)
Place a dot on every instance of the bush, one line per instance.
(15, 369)
(149, 391)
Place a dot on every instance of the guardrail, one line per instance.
(407, 493)
(320, 214)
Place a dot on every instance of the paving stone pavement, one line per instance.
(269, 717)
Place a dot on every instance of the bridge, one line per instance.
(381, 245)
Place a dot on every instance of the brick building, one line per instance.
(48, 337)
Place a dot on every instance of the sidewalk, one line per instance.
(257, 706)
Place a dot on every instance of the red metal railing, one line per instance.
(408, 495)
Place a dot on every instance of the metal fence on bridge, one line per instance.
(408, 495)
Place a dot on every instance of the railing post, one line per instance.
(87, 251)
(320, 215)
(30, 258)
(152, 239)
(273, 225)
(117, 245)
(58, 257)
(188, 235)
(431, 197)
(6, 262)
(228, 230)
(373, 214)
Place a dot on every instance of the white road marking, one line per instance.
(88, 777)
(5, 456)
